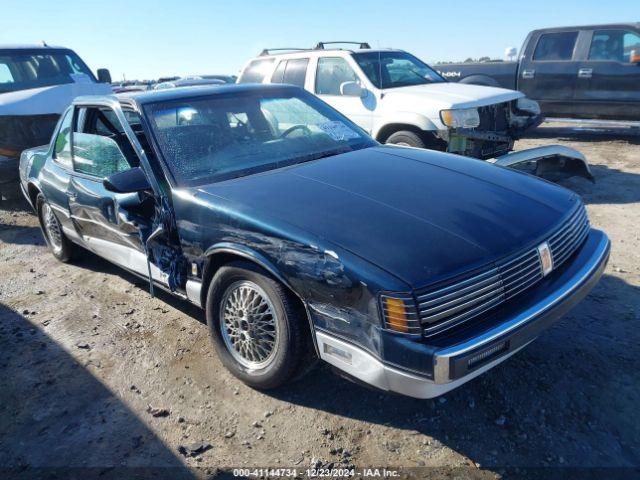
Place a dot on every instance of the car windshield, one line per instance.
(24, 69)
(396, 69)
(217, 137)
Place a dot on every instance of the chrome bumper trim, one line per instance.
(365, 367)
(600, 256)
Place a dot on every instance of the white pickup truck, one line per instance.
(399, 99)
(37, 83)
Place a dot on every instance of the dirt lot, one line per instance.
(86, 355)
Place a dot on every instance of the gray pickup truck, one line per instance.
(588, 72)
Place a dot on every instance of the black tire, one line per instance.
(63, 249)
(407, 138)
(293, 351)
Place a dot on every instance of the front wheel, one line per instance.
(256, 325)
(405, 138)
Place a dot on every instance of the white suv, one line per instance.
(399, 99)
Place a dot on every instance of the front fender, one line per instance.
(225, 248)
(417, 120)
(239, 250)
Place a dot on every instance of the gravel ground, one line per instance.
(95, 373)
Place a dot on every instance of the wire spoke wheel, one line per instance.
(52, 228)
(248, 322)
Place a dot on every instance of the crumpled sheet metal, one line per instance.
(552, 161)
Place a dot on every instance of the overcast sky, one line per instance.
(147, 39)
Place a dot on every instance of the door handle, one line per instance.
(528, 74)
(585, 73)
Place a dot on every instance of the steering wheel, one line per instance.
(290, 130)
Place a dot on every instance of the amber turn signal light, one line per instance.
(400, 315)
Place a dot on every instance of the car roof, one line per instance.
(325, 52)
(140, 98)
(155, 96)
(603, 26)
(32, 47)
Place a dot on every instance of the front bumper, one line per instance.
(482, 349)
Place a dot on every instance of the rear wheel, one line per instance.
(257, 327)
(59, 244)
(406, 138)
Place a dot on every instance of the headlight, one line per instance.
(463, 118)
(527, 105)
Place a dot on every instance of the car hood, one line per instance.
(418, 214)
(448, 95)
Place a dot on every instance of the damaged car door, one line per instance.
(109, 223)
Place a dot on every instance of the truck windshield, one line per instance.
(395, 69)
(227, 135)
(22, 69)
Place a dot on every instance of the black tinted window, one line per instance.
(256, 71)
(613, 45)
(296, 72)
(555, 46)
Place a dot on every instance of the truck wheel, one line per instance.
(57, 241)
(257, 328)
(406, 138)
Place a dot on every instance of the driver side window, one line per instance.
(332, 72)
(100, 146)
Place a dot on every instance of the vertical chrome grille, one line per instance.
(443, 307)
(520, 273)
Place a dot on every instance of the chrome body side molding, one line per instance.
(194, 290)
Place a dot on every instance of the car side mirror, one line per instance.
(104, 76)
(130, 181)
(635, 57)
(352, 89)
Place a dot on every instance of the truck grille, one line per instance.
(494, 118)
(447, 306)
